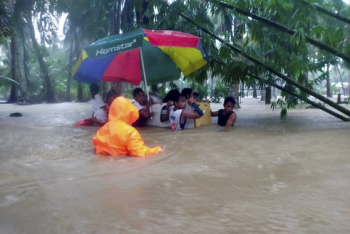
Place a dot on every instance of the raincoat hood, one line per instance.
(123, 110)
(117, 136)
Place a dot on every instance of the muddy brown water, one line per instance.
(263, 176)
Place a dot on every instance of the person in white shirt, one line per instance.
(99, 114)
(143, 106)
(178, 115)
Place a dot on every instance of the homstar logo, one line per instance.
(115, 48)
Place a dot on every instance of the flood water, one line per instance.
(263, 176)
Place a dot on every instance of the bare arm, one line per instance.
(165, 117)
(190, 115)
(215, 113)
(146, 113)
(231, 121)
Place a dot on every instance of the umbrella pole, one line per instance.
(144, 75)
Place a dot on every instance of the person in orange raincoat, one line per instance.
(117, 137)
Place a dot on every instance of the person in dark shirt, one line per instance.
(226, 116)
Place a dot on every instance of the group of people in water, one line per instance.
(119, 117)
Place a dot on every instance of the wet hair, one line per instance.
(137, 91)
(186, 92)
(94, 89)
(228, 100)
(178, 97)
(195, 94)
(111, 93)
(171, 95)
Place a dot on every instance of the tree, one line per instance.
(82, 29)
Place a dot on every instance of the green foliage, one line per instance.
(162, 91)
(291, 55)
(201, 89)
(220, 91)
(5, 20)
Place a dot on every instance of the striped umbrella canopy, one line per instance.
(155, 56)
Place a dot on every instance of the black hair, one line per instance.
(154, 88)
(137, 91)
(171, 95)
(110, 93)
(178, 97)
(228, 100)
(195, 94)
(186, 92)
(94, 89)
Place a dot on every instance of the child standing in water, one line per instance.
(226, 116)
(99, 114)
(178, 114)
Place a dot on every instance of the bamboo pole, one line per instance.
(296, 95)
(270, 69)
(327, 12)
(286, 30)
(301, 98)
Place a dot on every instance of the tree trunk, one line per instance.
(255, 94)
(144, 19)
(236, 88)
(118, 16)
(50, 96)
(242, 89)
(80, 97)
(329, 94)
(268, 95)
(341, 79)
(26, 57)
(13, 49)
(69, 77)
(127, 16)
(20, 70)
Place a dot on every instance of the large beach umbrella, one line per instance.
(155, 56)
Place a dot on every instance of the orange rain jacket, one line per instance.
(117, 137)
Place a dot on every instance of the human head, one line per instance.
(195, 95)
(187, 92)
(139, 95)
(171, 95)
(111, 95)
(180, 102)
(94, 89)
(154, 88)
(229, 104)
